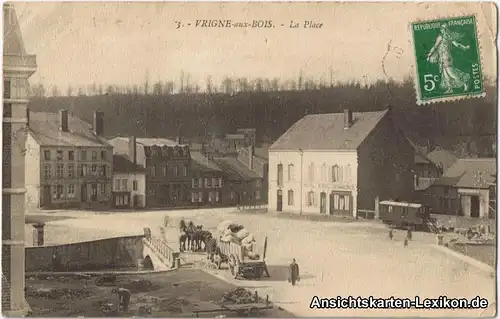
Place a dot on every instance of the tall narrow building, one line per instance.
(17, 68)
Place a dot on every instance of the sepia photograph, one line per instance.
(249, 159)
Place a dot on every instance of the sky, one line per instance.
(119, 43)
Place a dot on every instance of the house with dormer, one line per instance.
(339, 163)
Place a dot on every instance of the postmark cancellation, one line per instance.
(448, 63)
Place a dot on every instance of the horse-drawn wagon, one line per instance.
(407, 215)
(240, 263)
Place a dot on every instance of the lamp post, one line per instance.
(301, 152)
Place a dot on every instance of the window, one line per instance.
(83, 155)
(257, 194)
(151, 192)
(206, 182)
(152, 171)
(103, 170)
(220, 181)
(258, 183)
(58, 191)
(118, 184)
(59, 155)
(102, 189)
(84, 170)
(176, 171)
(210, 197)
(290, 172)
(200, 197)
(217, 196)
(446, 191)
(209, 182)
(185, 171)
(124, 185)
(200, 182)
(324, 173)
(94, 155)
(214, 182)
(59, 170)
(194, 183)
(348, 172)
(94, 170)
(232, 195)
(280, 174)
(194, 197)
(71, 155)
(311, 200)
(103, 155)
(71, 170)
(311, 172)
(46, 155)
(71, 191)
(290, 198)
(336, 174)
(135, 185)
(164, 170)
(6, 89)
(47, 171)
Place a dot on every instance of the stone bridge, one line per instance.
(157, 254)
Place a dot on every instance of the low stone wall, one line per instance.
(119, 252)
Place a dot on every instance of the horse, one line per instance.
(182, 241)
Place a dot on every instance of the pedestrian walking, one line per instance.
(409, 234)
(293, 275)
(123, 297)
(406, 242)
(391, 235)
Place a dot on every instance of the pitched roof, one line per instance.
(45, 130)
(200, 162)
(235, 170)
(442, 157)
(121, 164)
(326, 132)
(156, 141)
(470, 173)
(12, 37)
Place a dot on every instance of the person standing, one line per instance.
(293, 276)
(123, 297)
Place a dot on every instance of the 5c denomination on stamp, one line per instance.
(448, 62)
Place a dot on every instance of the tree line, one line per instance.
(468, 127)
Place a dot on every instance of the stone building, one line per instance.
(129, 183)
(18, 66)
(339, 163)
(167, 164)
(70, 161)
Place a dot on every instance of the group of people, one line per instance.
(408, 237)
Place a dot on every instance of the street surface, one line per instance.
(336, 259)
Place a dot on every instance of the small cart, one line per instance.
(241, 266)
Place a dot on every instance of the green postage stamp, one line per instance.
(448, 62)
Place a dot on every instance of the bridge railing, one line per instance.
(166, 252)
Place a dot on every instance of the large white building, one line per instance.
(339, 163)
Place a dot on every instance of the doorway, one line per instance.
(279, 201)
(322, 203)
(84, 192)
(93, 194)
(46, 196)
(474, 206)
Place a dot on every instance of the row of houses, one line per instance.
(72, 164)
(342, 163)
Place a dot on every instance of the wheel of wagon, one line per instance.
(253, 312)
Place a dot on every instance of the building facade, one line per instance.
(167, 164)
(18, 66)
(72, 163)
(463, 190)
(338, 164)
(207, 181)
(129, 183)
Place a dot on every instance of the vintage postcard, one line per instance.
(231, 159)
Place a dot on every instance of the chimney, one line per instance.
(132, 149)
(63, 120)
(98, 123)
(347, 119)
(250, 156)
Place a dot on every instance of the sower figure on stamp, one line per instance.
(123, 297)
(293, 275)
